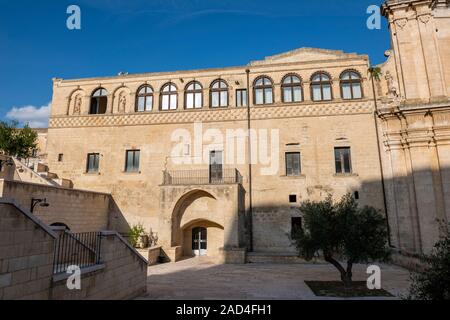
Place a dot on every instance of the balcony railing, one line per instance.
(201, 177)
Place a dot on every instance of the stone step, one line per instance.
(277, 258)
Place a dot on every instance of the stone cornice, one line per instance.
(216, 115)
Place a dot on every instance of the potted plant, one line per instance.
(138, 237)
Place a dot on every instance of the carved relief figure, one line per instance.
(392, 85)
(77, 104)
(122, 102)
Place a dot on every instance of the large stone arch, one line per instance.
(192, 200)
(214, 207)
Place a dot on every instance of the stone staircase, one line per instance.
(38, 173)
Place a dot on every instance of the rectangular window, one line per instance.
(326, 92)
(165, 102)
(296, 226)
(215, 99)
(342, 160)
(60, 157)
(259, 96)
(268, 93)
(141, 104)
(293, 164)
(357, 92)
(223, 98)
(292, 198)
(241, 98)
(93, 160)
(346, 91)
(132, 160)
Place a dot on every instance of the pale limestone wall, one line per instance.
(82, 211)
(123, 277)
(216, 208)
(420, 33)
(317, 127)
(26, 256)
(414, 123)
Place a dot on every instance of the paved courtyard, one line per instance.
(201, 278)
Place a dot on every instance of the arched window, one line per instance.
(99, 101)
(291, 88)
(219, 94)
(144, 99)
(263, 91)
(321, 87)
(193, 95)
(169, 97)
(351, 85)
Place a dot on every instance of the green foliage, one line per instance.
(17, 142)
(375, 73)
(342, 231)
(434, 282)
(135, 232)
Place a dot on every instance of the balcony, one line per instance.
(211, 176)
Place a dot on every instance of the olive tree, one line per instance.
(16, 142)
(434, 282)
(342, 231)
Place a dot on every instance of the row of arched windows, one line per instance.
(263, 88)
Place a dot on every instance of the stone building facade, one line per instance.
(414, 116)
(174, 197)
(173, 149)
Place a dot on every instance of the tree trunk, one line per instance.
(346, 274)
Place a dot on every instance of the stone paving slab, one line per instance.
(201, 278)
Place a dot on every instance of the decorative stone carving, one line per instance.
(78, 101)
(392, 85)
(425, 18)
(401, 23)
(122, 102)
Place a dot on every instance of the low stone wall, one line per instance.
(27, 249)
(152, 254)
(26, 255)
(81, 211)
(172, 254)
(233, 255)
(123, 274)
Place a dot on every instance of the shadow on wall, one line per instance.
(117, 220)
(416, 204)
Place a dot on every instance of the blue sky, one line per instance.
(162, 35)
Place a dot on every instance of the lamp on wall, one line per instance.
(42, 203)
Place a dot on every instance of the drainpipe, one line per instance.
(375, 115)
(249, 150)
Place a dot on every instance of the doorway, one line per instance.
(199, 241)
(215, 167)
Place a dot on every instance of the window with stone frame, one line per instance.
(291, 89)
(168, 97)
(92, 163)
(99, 101)
(193, 95)
(263, 91)
(351, 87)
(132, 159)
(321, 87)
(219, 94)
(293, 164)
(342, 159)
(144, 99)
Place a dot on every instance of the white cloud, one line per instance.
(36, 117)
